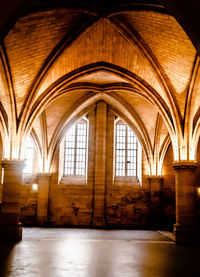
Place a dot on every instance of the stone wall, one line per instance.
(197, 183)
(70, 205)
(125, 205)
(28, 205)
(102, 199)
(168, 190)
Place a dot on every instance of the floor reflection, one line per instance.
(95, 253)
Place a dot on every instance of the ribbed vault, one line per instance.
(135, 53)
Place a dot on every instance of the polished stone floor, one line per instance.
(60, 252)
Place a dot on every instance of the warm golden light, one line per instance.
(198, 191)
(35, 187)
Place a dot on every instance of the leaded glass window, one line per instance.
(29, 158)
(75, 146)
(126, 151)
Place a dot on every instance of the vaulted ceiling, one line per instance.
(56, 56)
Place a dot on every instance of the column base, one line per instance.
(10, 231)
(186, 234)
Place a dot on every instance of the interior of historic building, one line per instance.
(100, 120)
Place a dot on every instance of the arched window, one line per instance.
(127, 152)
(75, 149)
(29, 157)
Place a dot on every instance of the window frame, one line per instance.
(28, 176)
(127, 180)
(76, 176)
(126, 149)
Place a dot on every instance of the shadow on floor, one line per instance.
(6, 253)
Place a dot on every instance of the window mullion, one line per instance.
(75, 149)
(116, 151)
(136, 158)
(86, 149)
(64, 155)
(126, 141)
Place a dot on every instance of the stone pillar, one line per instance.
(109, 158)
(109, 148)
(155, 184)
(100, 165)
(91, 157)
(10, 226)
(43, 198)
(184, 229)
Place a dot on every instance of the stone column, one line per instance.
(109, 160)
(155, 184)
(110, 149)
(184, 229)
(100, 165)
(43, 198)
(91, 158)
(10, 226)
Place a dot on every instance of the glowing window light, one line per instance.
(29, 158)
(126, 151)
(35, 187)
(76, 150)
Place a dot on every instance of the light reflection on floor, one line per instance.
(97, 253)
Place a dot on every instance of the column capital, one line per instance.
(185, 165)
(6, 163)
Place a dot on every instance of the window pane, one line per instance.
(120, 149)
(28, 169)
(29, 158)
(69, 151)
(75, 150)
(131, 153)
(81, 148)
(126, 151)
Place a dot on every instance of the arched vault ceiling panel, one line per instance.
(170, 44)
(37, 128)
(196, 95)
(61, 107)
(101, 42)
(29, 43)
(101, 77)
(3, 88)
(145, 110)
(162, 133)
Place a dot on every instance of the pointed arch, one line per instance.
(118, 108)
(136, 85)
